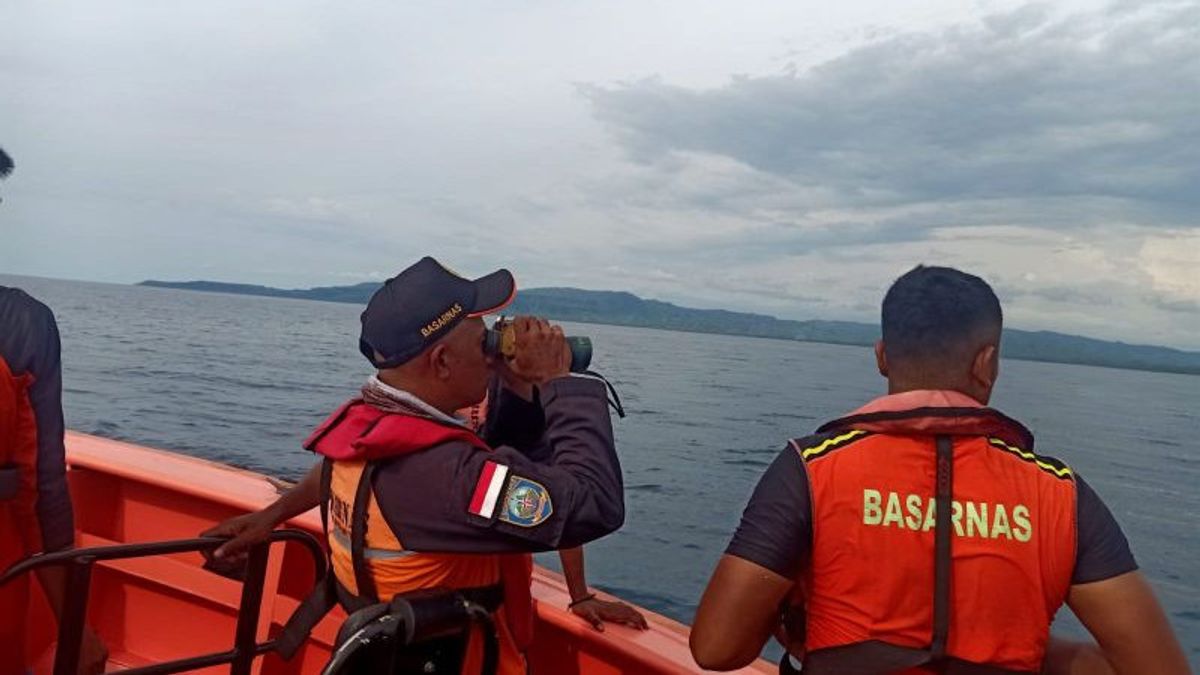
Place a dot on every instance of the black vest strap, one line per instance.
(941, 548)
(326, 492)
(329, 592)
(324, 596)
(310, 612)
(874, 657)
(358, 536)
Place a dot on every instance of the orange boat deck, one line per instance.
(156, 609)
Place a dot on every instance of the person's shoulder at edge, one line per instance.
(29, 341)
(16, 304)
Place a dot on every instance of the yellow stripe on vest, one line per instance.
(828, 444)
(1055, 467)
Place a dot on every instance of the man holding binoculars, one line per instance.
(415, 498)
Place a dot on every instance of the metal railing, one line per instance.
(79, 563)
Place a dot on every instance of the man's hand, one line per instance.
(246, 531)
(541, 354)
(93, 655)
(253, 528)
(511, 381)
(596, 611)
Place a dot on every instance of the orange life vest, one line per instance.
(20, 535)
(359, 434)
(871, 585)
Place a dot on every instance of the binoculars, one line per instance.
(501, 340)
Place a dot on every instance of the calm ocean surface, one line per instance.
(242, 380)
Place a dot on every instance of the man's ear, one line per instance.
(881, 358)
(986, 366)
(439, 362)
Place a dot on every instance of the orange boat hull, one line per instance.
(157, 609)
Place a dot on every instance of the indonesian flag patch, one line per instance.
(487, 489)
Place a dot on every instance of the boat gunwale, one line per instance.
(664, 645)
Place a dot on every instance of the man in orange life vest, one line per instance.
(518, 421)
(440, 507)
(515, 419)
(922, 533)
(35, 509)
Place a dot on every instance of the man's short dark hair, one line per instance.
(938, 314)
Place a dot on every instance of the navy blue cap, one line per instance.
(422, 304)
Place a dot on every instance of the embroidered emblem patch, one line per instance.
(526, 503)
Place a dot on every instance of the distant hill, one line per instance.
(626, 309)
(358, 293)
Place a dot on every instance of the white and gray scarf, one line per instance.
(389, 399)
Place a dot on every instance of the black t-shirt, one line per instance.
(776, 527)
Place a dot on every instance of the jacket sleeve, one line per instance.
(516, 422)
(31, 344)
(457, 499)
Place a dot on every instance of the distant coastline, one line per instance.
(625, 309)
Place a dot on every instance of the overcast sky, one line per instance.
(784, 157)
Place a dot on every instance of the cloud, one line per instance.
(1057, 154)
(1172, 261)
(309, 208)
(1053, 150)
(1019, 105)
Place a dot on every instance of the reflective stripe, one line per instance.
(1058, 469)
(809, 453)
(370, 553)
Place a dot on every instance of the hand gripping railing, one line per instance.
(79, 564)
